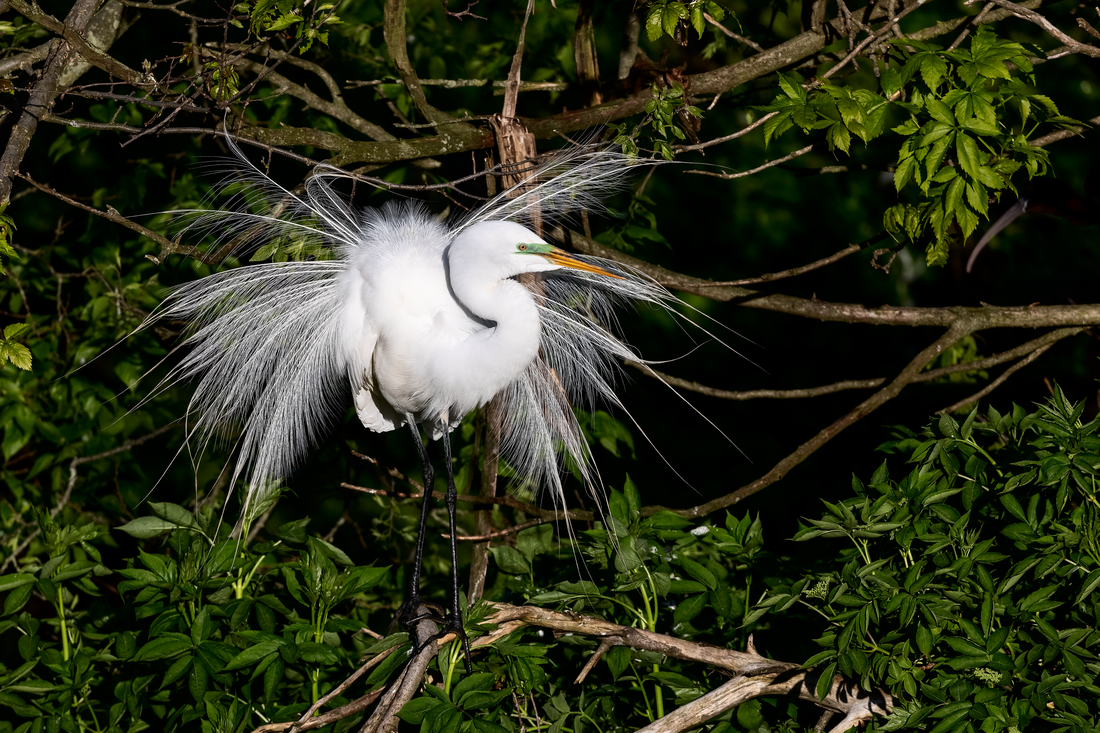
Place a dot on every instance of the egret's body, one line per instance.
(435, 327)
(423, 319)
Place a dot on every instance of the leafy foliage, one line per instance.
(961, 144)
(307, 20)
(967, 586)
(667, 17)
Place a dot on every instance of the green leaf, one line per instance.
(653, 21)
(253, 654)
(163, 647)
(968, 155)
(904, 173)
(1090, 584)
(414, 710)
(698, 22)
(671, 16)
(689, 608)
(17, 354)
(510, 560)
(940, 111)
(791, 84)
(699, 572)
(838, 137)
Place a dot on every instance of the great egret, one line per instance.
(424, 319)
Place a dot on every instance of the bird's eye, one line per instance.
(521, 247)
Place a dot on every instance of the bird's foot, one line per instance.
(413, 611)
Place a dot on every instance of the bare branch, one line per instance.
(769, 164)
(1042, 343)
(957, 330)
(45, 91)
(70, 33)
(1033, 17)
(737, 37)
(727, 138)
(755, 675)
(998, 381)
(982, 317)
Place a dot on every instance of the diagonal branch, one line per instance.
(957, 330)
(44, 94)
(1033, 17)
(1028, 350)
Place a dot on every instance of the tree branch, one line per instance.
(755, 675)
(45, 91)
(957, 330)
(1039, 344)
(1033, 17)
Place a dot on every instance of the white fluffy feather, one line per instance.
(273, 346)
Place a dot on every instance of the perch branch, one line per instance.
(756, 675)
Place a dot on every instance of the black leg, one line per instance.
(425, 506)
(452, 502)
(410, 612)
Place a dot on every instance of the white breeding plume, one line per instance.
(423, 319)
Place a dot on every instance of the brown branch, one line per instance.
(876, 36)
(957, 330)
(739, 38)
(24, 61)
(767, 676)
(499, 533)
(508, 501)
(44, 94)
(168, 246)
(1042, 343)
(70, 32)
(605, 645)
(483, 520)
(395, 36)
(1087, 27)
(769, 164)
(982, 317)
(1030, 15)
(1053, 137)
(335, 109)
(73, 465)
(998, 381)
(384, 717)
(803, 269)
(308, 722)
(726, 138)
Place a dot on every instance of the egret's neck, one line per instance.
(513, 342)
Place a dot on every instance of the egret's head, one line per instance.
(502, 249)
(560, 258)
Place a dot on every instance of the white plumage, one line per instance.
(423, 319)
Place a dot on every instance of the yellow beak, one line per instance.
(564, 259)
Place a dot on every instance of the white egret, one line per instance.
(423, 319)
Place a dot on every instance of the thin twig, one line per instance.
(739, 38)
(498, 533)
(1043, 342)
(769, 164)
(727, 138)
(1050, 28)
(996, 382)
